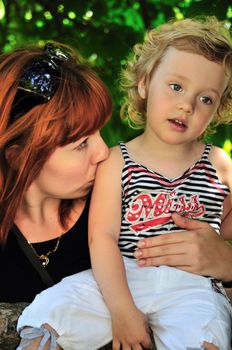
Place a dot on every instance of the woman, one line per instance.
(52, 108)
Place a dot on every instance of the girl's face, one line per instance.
(70, 171)
(183, 96)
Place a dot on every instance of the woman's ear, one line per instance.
(12, 156)
(142, 88)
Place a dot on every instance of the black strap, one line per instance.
(46, 278)
(227, 284)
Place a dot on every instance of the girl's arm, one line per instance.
(129, 325)
(226, 227)
(223, 165)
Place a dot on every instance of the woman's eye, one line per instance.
(82, 145)
(176, 87)
(206, 100)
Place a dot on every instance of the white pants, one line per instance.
(183, 309)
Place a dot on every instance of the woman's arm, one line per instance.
(129, 325)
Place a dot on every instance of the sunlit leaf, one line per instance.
(67, 22)
(39, 23)
(48, 15)
(71, 15)
(38, 7)
(229, 12)
(60, 8)
(227, 146)
(2, 9)
(87, 16)
(178, 13)
(28, 15)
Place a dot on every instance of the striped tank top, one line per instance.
(149, 199)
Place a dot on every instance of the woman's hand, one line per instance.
(199, 250)
(130, 330)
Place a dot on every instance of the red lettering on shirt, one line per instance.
(147, 210)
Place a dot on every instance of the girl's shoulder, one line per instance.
(220, 157)
(113, 164)
(223, 165)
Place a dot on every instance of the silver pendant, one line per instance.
(44, 259)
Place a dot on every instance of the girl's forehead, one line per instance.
(179, 60)
(194, 68)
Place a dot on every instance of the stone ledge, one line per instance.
(9, 313)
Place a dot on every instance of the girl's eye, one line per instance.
(206, 100)
(82, 145)
(176, 87)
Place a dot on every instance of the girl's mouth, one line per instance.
(178, 124)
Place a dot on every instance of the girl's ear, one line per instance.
(12, 156)
(142, 89)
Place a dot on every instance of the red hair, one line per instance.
(80, 106)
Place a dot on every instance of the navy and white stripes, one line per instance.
(148, 199)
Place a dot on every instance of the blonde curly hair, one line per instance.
(206, 36)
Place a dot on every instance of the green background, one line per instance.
(104, 32)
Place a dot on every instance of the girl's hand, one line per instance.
(199, 250)
(130, 330)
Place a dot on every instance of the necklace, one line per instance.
(44, 258)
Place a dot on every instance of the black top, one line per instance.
(21, 282)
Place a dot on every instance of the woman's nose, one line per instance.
(102, 151)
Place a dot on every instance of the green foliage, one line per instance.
(104, 32)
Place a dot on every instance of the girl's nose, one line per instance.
(186, 104)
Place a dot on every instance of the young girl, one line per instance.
(179, 84)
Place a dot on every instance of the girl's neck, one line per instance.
(149, 142)
(170, 161)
